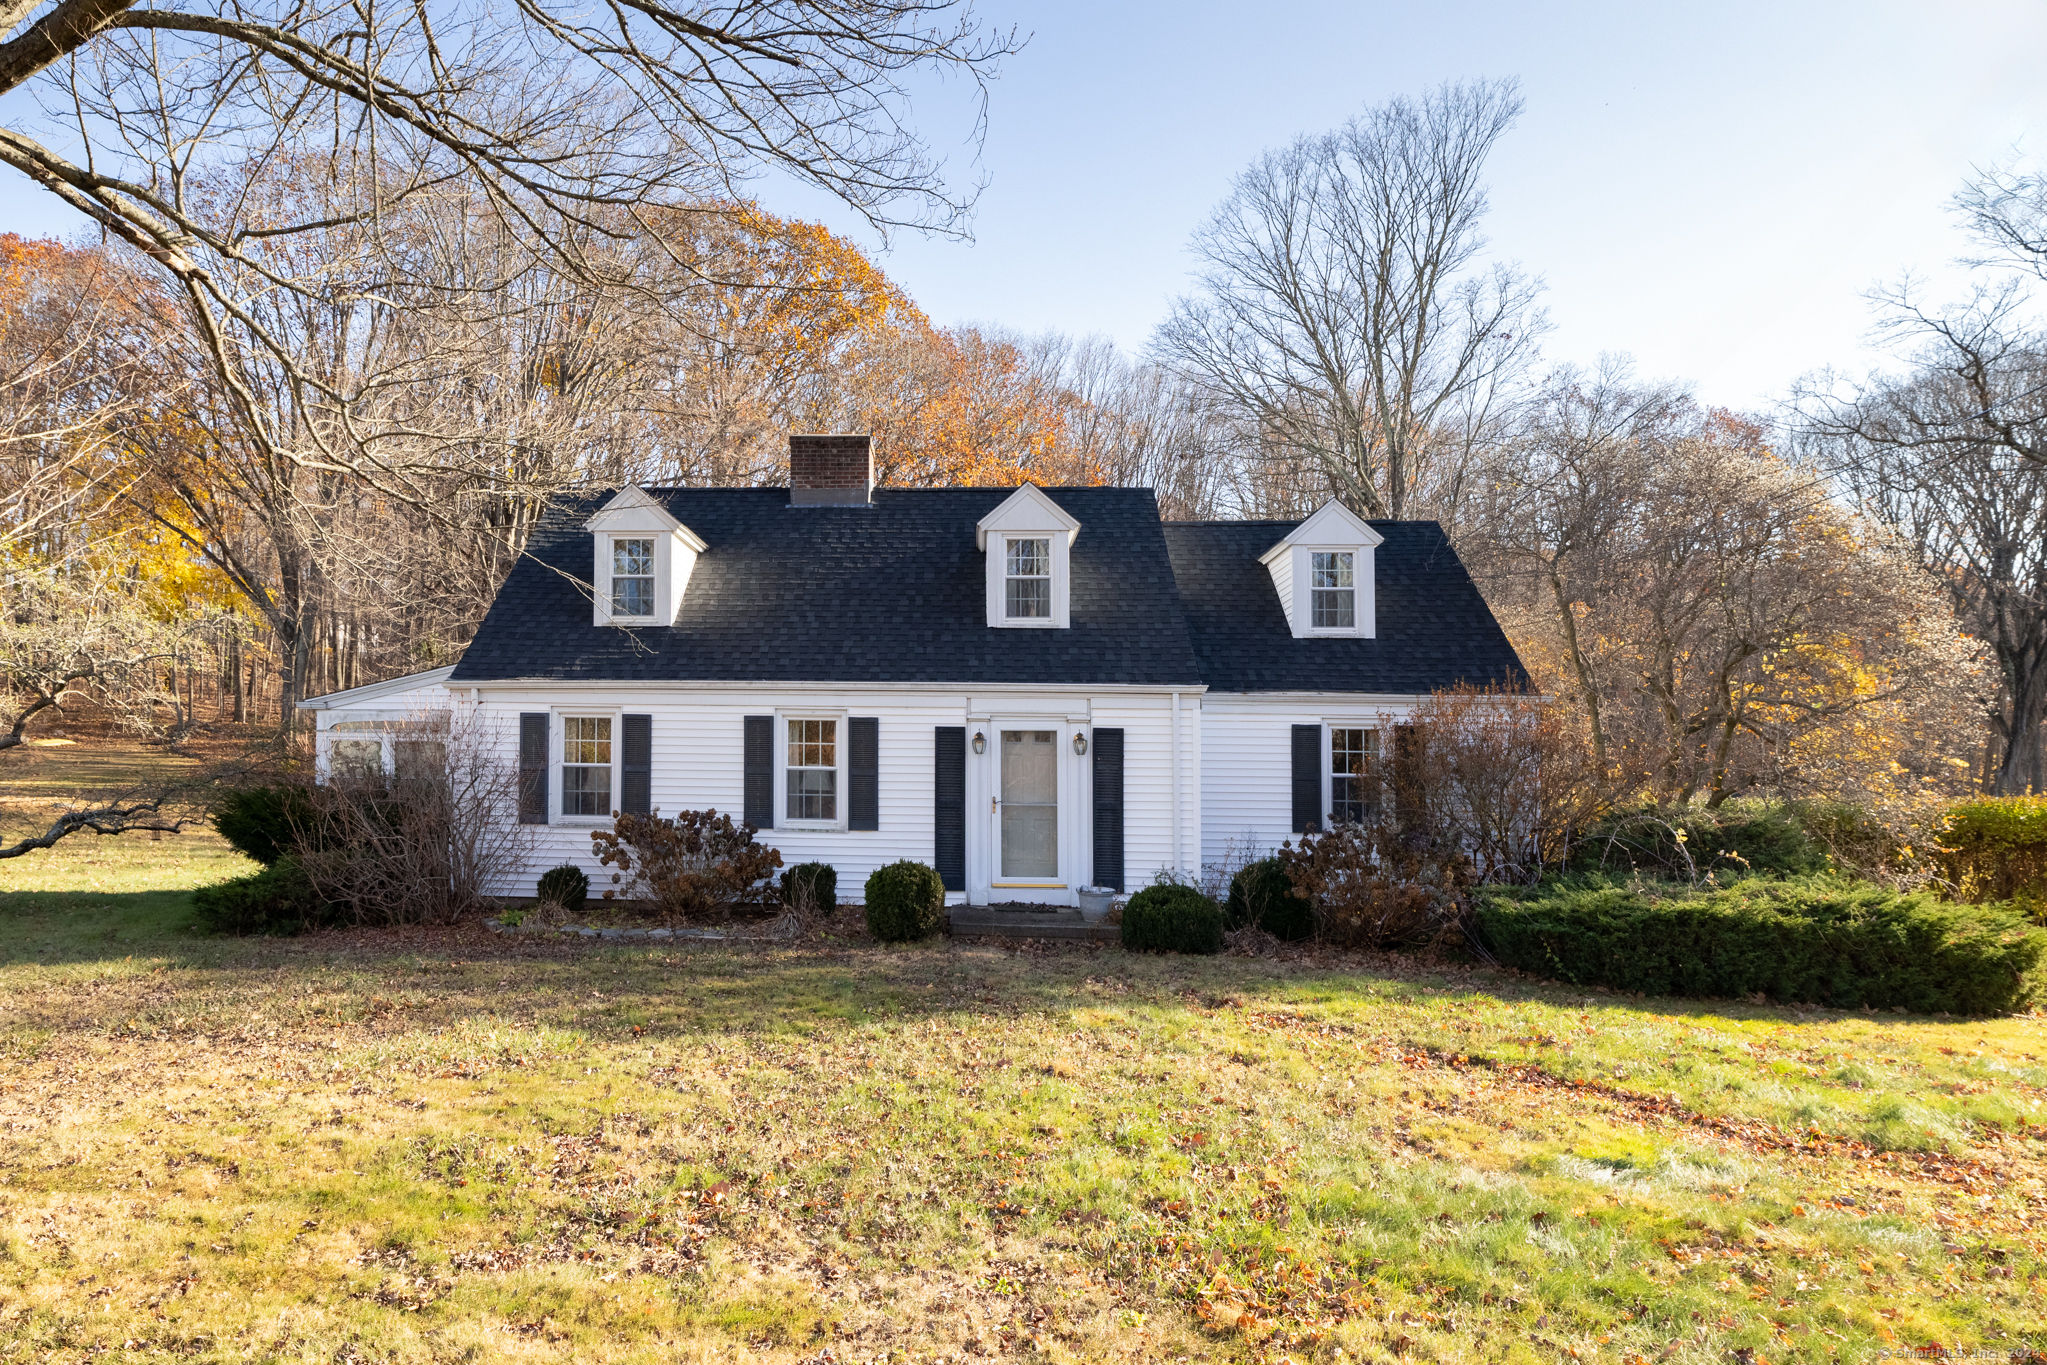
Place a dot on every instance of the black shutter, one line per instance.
(949, 793)
(863, 771)
(1409, 796)
(1307, 778)
(636, 765)
(1108, 751)
(533, 767)
(760, 772)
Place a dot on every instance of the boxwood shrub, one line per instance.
(1261, 896)
(1172, 919)
(820, 880)
(567, 886)
(1823, 940)
(905, 902)
(278, 900)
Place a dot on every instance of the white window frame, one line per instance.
(783, 820)
(1329, 729)
(1352, 555)
(1009, 544)
(558, 740)
(652, 577)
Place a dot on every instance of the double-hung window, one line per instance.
(1353, 775)
(586, 765)
(1027, 581)
(632, 577)
(1335, 603)
(813, 770)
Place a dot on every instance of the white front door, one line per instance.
(1028, 832)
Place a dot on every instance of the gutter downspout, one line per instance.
(1179, 850)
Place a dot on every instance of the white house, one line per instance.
(1030, 689)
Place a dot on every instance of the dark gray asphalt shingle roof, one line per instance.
(895, 593)
(1433, 628)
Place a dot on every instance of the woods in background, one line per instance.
(209, 522)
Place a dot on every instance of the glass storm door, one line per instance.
(1030, 805)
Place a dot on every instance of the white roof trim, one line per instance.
(619, 514)
(373, 691)
(1029, 508)
(1330, 524)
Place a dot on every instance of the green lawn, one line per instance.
(440, 1146)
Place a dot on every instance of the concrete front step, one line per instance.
(974, 921)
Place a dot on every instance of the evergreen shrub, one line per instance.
(566, 886)
(1822, 940)
(266, 823)
(1261, 896)
(811, 886)
(1739, 839)
(905, 902)
(278, 900)
(1170, 918)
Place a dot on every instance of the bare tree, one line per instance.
(239, 149)
(1342, 313)
(1954, 453)
(1563, 497)
(1920, 453)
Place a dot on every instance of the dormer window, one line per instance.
(1335, 591)
(632, 577)
(643, 560)
(1323, 575)
(1027, 588)
(1028, 542)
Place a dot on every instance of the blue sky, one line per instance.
(1710, 189)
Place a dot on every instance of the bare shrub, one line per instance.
(1503, 778)
(426, 844)
(1483, 785)
(1373, 887)
(696, 864)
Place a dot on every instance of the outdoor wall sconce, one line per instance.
(1079, 743)
(980, 742)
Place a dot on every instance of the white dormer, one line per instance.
(1028, 541)
(643, 561)
(1323, 574)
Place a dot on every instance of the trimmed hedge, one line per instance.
(905, 902)
(1742, 840)
(278, 900)
(567, 886)
(821, 880)
(1996, 849)
(1172, 919)
(263, 822)
(1261, 896)
(1822, 940)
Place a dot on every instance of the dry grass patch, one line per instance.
(445, 1145)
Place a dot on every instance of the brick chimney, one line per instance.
(830, 471)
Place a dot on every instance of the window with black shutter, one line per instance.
(863, 772)
(533, 767)
(949, 799)
(760, 772)
(1108, 824)
(636, 765)
(1307, 778)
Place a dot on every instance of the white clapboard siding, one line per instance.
(698, 763)
(1247, 763)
